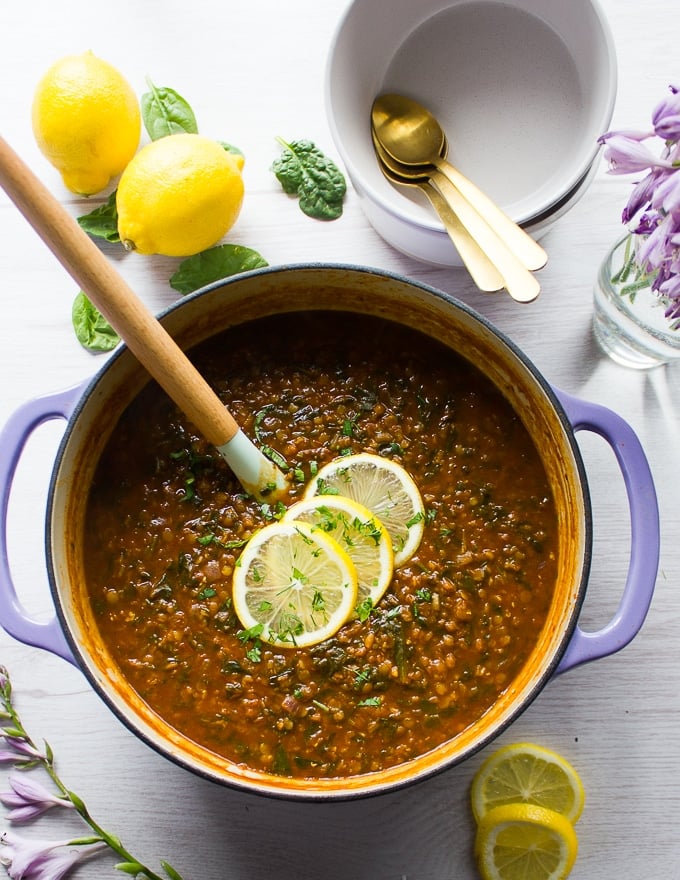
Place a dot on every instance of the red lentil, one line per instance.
(166, 523)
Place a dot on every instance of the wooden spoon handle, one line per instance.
(109, 292)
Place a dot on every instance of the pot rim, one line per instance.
(363, 785)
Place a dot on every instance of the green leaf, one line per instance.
(166, 112)
(305, 171)
(103, 221)
(170, 871)
(213, 265)
(92, 329)
(133, 868)
(230, 148)
(90, 840)
(13, 732)
(370, 701)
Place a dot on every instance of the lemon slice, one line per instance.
(360, 534)
(293, 586)
(385, 489)
(525, 842)
(531, 774)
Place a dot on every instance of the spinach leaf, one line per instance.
(92, 329)
(230, 148)
(103, 221)
(214, 264)
(172, 873)
(166, 112)
(303, 170)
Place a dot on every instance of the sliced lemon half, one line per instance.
(293, 586)
(385, 488)
(525, 842)
(530, 774)
(360, 534)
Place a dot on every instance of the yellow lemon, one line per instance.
(530, 774)
(86, 121)
(360, 534)
(179, 196)
(293, 586)
(525, 842)
(384, 487)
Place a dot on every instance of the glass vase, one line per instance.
(631, 327)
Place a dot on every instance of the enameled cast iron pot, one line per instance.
(551, 417)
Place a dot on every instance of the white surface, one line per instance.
(252, 72)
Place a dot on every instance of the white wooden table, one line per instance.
(253, 71)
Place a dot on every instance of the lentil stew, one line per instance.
(166, 522)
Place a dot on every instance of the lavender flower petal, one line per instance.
(29, 798)
(40, 859)
(632, 134)
(666, 116)
(641, 195)
(22, 857)
(671, 288)
(56, 865)
(628, 156)
(22, 749)
(667, 194)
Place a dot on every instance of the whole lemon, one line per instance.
(86, 121)
(179, 196)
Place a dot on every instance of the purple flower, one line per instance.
(671, 289)
(666, 195)
(19, 750)
(29, 799)
(627, 155)
(40, 859)
(641, 196)
(652, 248)
(666, 116)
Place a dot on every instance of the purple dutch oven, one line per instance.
(551, 417)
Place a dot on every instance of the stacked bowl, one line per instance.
(523, 89)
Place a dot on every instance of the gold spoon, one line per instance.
(481, 269)
(518, 281)
(414, 137)
(144, 335)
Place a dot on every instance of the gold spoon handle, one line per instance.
(517, 279)
(481, 269)
(528, 251)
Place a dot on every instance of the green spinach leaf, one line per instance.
(230, 148)
(166, 112)
(103, 221)
(304, 170)
(92, 329)
(212, 265)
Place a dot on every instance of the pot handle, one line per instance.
(645, 533)
(13, 438)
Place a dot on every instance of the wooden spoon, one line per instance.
(135, 324)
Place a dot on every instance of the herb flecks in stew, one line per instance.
(166, 523)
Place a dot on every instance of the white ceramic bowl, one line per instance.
(522, 88)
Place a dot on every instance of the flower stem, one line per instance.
(31, 756)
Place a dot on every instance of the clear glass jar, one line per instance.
(632, 329)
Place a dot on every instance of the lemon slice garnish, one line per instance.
(531, 774)
(293, 586)
(525, 842)
(360, 534)
(385, 488)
